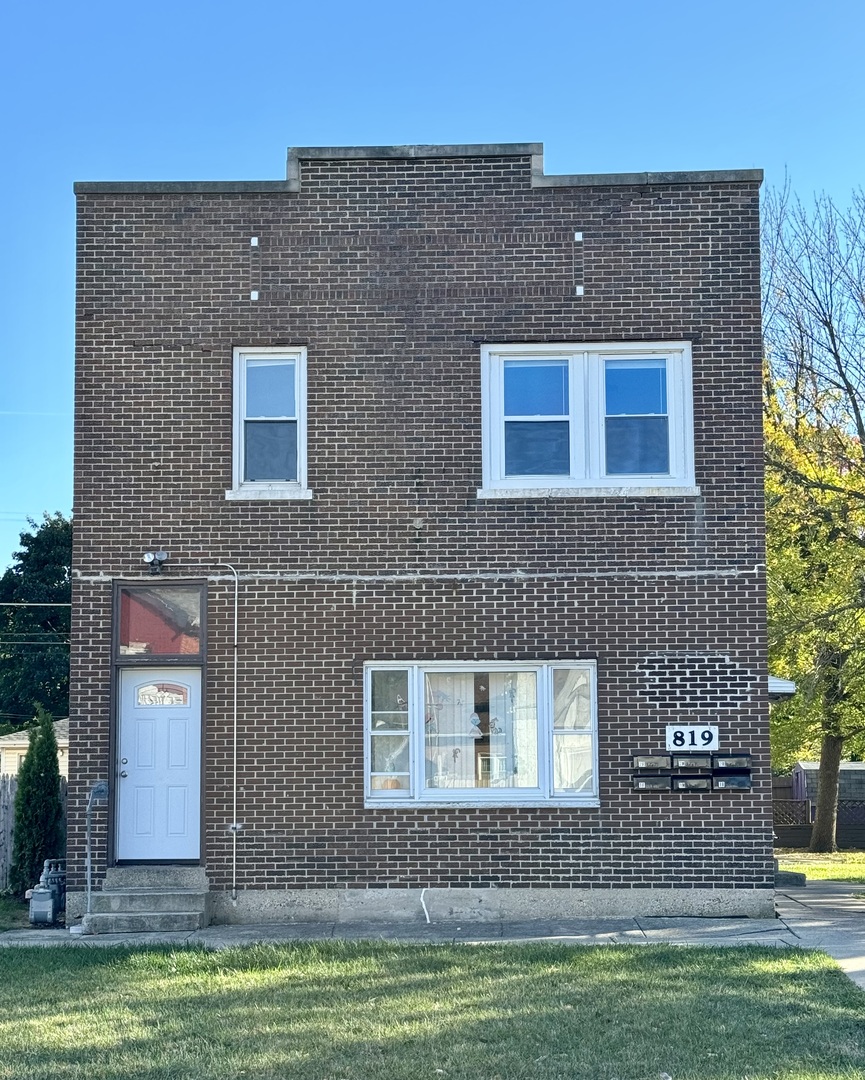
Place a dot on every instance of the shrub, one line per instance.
(38, 810)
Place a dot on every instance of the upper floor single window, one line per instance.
(587, 419)
(269, 424)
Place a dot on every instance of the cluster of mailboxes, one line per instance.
(692, 772)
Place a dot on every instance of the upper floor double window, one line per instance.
(587, 418)
(269, 424)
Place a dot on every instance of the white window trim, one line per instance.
(491, 797)
(586, 403)
(268, 490)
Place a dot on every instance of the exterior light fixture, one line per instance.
(154, 560)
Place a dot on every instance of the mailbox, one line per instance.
(731, 761)
(651, 783)
(692, 783)
(650, 761)
(692, 761)
(732, 782)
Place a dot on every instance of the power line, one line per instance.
(14, 645)
(29, 635)
(27, 603)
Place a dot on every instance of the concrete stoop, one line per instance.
(149, 899)
(786, 879)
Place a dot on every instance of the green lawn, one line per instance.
(361, 1011)
(839, 866)
(14, 914)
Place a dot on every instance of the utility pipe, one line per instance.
(235, 827)
(97, 793)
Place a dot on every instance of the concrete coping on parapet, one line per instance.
(534, 151)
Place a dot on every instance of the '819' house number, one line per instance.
(692, 737)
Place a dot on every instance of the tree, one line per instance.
(814, 335)
(34, 640)
(816, 613)
(38, 811)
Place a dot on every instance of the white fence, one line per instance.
(8, 787)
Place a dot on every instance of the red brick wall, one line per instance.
(393, 273)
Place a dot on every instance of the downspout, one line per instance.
(235, 828)
(98, 793)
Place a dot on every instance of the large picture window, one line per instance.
(269, 424)
(587, 419)
(481, 734)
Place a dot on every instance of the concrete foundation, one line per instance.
(485, 905)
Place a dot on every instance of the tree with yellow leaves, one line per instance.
(814, 333)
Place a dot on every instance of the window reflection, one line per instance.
(161, 694)
(163, 621)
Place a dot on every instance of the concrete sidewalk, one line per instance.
(823, 915)
(828, 915)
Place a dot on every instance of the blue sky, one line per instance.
(191, 90)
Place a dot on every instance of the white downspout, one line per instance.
(235, 827)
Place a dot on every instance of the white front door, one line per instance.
(158, 777)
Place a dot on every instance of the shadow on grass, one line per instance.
(361, 1011)
(14, 914)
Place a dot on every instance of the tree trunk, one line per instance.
(823, 832)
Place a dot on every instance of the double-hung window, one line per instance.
(480, 734)
(587, 419)
(269, 424)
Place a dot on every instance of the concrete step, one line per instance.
(786, 879)
(149, 898)
(155, 877)
(154, 900)
(142, 922)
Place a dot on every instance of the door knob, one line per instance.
(124, 773)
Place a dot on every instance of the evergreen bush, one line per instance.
(38, 809)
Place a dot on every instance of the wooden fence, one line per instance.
(803, 811)
(8, 787)
(782, 787)
(793, 819)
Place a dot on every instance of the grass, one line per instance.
(362, 1011)
(14, 914)
(839, 866)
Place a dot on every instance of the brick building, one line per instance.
(457, 467)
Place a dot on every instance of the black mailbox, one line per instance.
(651, 761)
(692, 783)
(692, 761)
(651, 783)
(732, 782)
(731, 761)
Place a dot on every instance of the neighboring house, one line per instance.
(780, 689)
(851, 780)
(457, 467)
(13, 748)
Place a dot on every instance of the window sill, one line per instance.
(630, 491)
(267, 492)
(478, 804)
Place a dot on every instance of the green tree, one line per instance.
(816, 575)
(34, 640)
(814, 337)
(38, 811)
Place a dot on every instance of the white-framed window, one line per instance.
(448, 733)
(269, 460)
(587, 419)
